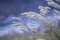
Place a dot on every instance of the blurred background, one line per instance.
(29, 19)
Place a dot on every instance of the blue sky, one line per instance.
(11, 8)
